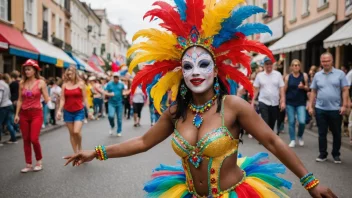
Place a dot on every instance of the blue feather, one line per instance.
(181, 7)
(253, 28)
(233, 87)
(229, 25)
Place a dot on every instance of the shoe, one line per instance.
(300, 141)
(135, 125)
(250, 136)
(119, 134)
(43, 126)
(111, 131)
(292, 144)
(38, 167)
(27, 169)
(11, 142)
(337, 160)
(1, 144)
(321, 158)
(85, 121)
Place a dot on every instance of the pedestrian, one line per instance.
(29, 112)
(296, 87)
(55, 94)
(191, 58)
(97, 92)
(330, 88)
(138, 103)
(127, 99)
(269, 85)
(14, 87)
(73, 96)
(6, 110)
(90, 106)
(115, 103)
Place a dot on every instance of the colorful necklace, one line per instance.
(199, 110)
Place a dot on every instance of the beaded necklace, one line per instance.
(199, 110)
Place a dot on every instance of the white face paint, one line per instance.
(198, 69)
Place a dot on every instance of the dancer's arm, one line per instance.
(159, 132)
(246, 116)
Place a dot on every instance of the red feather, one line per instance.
(237, 57)
(170, 17)
(244, 44)
(146, 75)
(195, 13)
(237, 76)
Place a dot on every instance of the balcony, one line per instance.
(57, 42)
(68, 47)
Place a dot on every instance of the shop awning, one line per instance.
(277, 27)
(297, 39)
(342, 36)
(82, 65)
(13, 40)
(95, 62)
(49, 53)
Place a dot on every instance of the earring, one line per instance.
(216, 86)
(183, 90)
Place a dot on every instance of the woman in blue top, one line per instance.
(296, 87)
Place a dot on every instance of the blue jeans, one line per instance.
(292, 111)
(154, 117)
(6, 116)
(115, 109)
(329, 120)
(45, 113)
(98, 106)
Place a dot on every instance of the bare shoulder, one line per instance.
(81, 84)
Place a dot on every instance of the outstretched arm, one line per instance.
(246, 116)
(159, 132)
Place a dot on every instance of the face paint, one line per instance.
(198, 69)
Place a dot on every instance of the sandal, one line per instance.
(38, 167)
(27, 169)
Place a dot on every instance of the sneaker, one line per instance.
(11, 142)
(85, 121)
(250, 136)
(119, 134)
(111, 131)
(43, 126)
(292, 144)
(321, 158)
(337, 160)
(27, 169)
(300, 142)
(38, 167)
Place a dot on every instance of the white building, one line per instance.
(79, 33)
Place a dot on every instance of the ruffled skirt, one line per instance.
(261, 180)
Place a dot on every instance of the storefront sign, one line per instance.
(4, 45)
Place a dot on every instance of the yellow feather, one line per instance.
(213, 18)
(152, 46)
(167, 82)
(152, 55)
(156, 35)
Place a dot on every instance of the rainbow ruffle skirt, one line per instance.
(261, 180)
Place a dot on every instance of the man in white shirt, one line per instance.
(269, 85)
(55, 93)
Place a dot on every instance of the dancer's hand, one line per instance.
(80, 157)
(17, 119)
(58, 115)
(321, 192)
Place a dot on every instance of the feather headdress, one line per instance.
(214, 25)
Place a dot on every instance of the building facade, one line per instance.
(79, 33)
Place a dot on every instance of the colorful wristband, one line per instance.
(101, 153)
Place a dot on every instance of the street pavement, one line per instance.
(125, 177)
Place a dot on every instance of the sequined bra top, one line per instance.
(215, 146)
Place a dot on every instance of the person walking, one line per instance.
(115, 103)
(138, 103)
(55, 94)
(14, 87)
(6, 110)
(269, 85)
(327, 87)
(73, 97)
(29, 112)
(296, 87)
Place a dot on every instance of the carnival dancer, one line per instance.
(29, 112)
(205, 121)
(73, 97)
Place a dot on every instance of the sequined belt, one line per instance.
(195, 195)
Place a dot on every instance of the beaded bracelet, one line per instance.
(101, 153)
(312, 184)
(309, 181)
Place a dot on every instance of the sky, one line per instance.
(128, 13)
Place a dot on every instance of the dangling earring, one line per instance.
(217, 86)
(183, 90)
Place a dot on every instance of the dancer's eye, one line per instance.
(204, 64)
(187, 66)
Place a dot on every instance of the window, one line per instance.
(45, 34)
(279, 6)
(305, 7)
(60, 29)
(293, 10)
(4, 10)
(29, 15)
(322, 2)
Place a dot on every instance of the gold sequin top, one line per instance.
(215, 146)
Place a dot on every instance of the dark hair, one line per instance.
(182, 104)
(14, 75)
